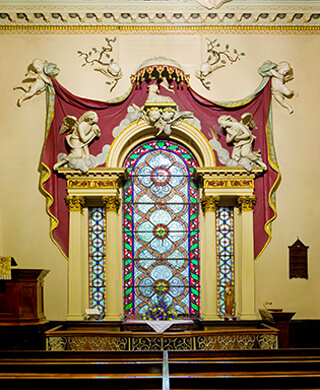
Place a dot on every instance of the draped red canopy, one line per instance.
(112, 113)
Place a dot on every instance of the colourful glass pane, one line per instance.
(161, 229)
(225, 256)
(97, 259)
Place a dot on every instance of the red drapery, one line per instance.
(111, 114)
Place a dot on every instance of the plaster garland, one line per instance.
(101, 62)
(217, 59)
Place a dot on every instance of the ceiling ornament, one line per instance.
(137, 18)
(212, 3)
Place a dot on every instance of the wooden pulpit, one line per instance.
(21, 298)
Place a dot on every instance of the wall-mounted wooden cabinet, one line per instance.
(298, 260)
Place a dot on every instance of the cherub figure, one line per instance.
(163, 118)
(161, 112)
(81, 133)
(240, 136)
(281, 73)
(34, 82)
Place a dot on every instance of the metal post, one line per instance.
(165, 372)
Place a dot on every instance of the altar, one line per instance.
(158, 326)
(96, 336)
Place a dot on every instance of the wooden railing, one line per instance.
(62, 338)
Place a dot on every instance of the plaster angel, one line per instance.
(281, 73)
(167, 118)
(36, 79)
(81, 133)
(240, 136)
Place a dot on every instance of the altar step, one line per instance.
(168, 370)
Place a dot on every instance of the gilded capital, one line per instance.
(75, 203)
(246, 203)
(209, 203)
(112, 203)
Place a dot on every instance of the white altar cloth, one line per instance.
(161, 325)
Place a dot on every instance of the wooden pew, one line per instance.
(175, 370)
(253, 369)
(80, 370)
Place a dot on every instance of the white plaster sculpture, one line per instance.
(280, 76)
(134, 114)
(161, 112)
(281, 73)
(240, 136)
(101, 62)
(212, 3)
(81, 133)
(34, 82)
(217, 58)
(154, 97)
(112, 71)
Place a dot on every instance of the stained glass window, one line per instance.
(97, 259)
(225, 260)
(161, 229)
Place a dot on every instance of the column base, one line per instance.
(74, 317)
(248, 316)
(210, 317)
(113, 317)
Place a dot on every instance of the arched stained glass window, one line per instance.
(161, 229)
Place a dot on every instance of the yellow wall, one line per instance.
(24, 224)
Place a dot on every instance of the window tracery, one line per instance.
(161, 229)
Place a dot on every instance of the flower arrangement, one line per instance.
(159, 310)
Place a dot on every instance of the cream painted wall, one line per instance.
(24, 224)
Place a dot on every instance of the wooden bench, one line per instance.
(80, 370)
(254, 369)
(218, 369)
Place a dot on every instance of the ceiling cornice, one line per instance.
(155, 13)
